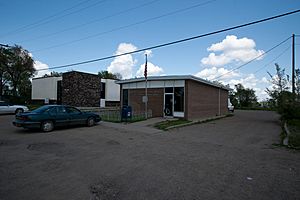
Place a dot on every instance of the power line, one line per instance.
(43, 19)
(278, 56)
(53, 17)
(90, 22)
(177, 41)
(259, 56)
(126, 26)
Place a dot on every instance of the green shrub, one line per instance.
(294, 137)
(294, 140)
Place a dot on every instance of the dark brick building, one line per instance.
(80, 89)
(77, 89)
(187, 97)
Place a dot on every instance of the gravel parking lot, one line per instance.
(231, 158)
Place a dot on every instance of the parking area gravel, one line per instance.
(230, 158)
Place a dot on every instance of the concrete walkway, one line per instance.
(145, 126)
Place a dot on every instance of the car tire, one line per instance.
(90, 122)
(47, 126)
(19, 110)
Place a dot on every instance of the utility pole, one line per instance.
(293, 63)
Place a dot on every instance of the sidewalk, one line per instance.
(145, 126)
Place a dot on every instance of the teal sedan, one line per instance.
(48, 117)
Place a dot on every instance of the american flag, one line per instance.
(145, 72)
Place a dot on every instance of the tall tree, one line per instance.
(297, 84)
(244, 97)
(108, 75)
(17, 67)
(3, 60)
(280, 84)
(284, 101)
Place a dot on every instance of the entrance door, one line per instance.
(168, 110)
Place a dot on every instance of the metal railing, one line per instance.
(115, 115)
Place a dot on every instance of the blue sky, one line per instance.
(64, 32)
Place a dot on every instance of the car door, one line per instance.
(11, 108)
(4, 107)
(62, 117)
(76, 116)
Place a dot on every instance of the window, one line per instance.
(169, 90)
(72, 110)
(52, 111)
(178, 99)
(102, 94)
(125, 97)
(61, 110)
(3, 104)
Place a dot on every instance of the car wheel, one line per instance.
(19, 110)
(90, 121)
(47, 126)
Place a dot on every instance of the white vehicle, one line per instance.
(230, 106)
(6, 108)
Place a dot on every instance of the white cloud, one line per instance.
(214, 72)
(232, 43)
(38, 65)
(234, 78)
(232, 50)
(250, 81)
(123, 64)
(152, 70)
(265, 80)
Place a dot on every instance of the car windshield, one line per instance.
(41, 109)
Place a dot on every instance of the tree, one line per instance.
(16, 69)
(243, 97)
(109, 75)
(284, 101)
(53, 74)
(280, 84)
(3, 60)
(297, 84)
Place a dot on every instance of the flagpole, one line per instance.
(146, 90)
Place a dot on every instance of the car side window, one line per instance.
(72, 110)
(3, 104)
(52, 111)
(61, 110)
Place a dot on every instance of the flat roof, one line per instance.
(47, 77)
(173, 77)
(74, 71)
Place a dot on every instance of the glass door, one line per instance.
(168, 109)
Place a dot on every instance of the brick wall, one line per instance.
(81, 89)
(155, 100)
(203, 100)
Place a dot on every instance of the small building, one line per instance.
(46, 89)
(183, 96)
(77, 89)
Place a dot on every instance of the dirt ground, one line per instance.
(231, 158)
